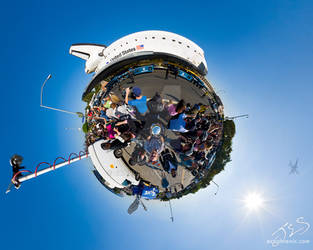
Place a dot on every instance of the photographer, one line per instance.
(140, 101)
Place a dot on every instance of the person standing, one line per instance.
(131, 75)
(140, 101)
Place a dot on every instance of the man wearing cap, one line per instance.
(140, 102)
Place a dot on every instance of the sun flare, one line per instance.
(254, 201)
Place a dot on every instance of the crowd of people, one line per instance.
(198, 134)
(167, 134)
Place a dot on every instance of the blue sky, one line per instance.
(260, 58)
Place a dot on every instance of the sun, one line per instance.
(254, 201)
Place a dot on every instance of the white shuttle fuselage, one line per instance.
(100, 57)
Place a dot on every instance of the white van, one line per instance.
(112, 169)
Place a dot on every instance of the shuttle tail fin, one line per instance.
(91, 53)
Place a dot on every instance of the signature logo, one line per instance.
(285, 233)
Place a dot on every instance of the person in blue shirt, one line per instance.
(140, 101)
(178, 123)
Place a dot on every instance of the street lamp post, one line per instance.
(47, 107)
(218, 187)
(235, 117)
(172, 218)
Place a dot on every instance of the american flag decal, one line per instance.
(139, 47)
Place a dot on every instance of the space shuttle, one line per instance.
(153, 45)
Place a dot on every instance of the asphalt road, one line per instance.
(169, 89)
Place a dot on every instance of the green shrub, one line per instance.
(85, 127)
(88, 97)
